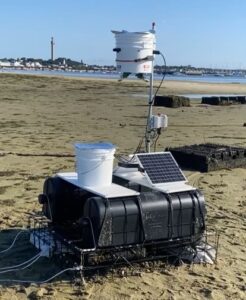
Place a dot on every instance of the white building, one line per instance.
(5, 64)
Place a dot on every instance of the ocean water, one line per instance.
(107, 75)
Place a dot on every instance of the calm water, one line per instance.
(204, 78)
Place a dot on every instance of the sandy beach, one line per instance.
(47, 115)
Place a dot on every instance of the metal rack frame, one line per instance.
(94, 259)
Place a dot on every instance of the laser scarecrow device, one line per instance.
(136, 212)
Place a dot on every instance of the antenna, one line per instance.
(153, 27)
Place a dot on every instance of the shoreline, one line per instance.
(168, 86)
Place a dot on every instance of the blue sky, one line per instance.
(208, 33)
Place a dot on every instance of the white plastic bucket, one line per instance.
(94, 163)
(135, 53)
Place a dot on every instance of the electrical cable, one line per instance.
(23, 268)
(13, 243)
(42, 281)
(22, 264)
(137, 149)
(163, 77)
(151, 102)
(123, 159)
(120, 158)
(158, 135)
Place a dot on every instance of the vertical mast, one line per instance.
(151, 81)
(148, 127)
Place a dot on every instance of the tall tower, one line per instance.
(52, 43)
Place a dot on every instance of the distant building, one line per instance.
(35, 65)
(17, 64)
(5, 64)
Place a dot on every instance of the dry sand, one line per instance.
(47, 115)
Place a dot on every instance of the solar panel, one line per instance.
(160, 167)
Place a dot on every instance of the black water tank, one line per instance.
(62, 201)
(115, 221)
(153, 216)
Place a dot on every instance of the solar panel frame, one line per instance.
(160, 168)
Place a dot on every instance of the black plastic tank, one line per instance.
(150, 217)
(115, 221)
(62, 201)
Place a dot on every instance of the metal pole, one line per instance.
(148, 128)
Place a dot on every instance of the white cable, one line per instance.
(20, 265)
(25, 267)
(15, 239)
(43, 281)
(57, 274)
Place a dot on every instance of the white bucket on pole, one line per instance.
(94, 163)
(134, 51)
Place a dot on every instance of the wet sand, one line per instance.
(46, 115)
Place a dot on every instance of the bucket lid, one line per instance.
(94, 146)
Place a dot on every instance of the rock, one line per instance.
(207, 292)
(52, 292)
(22, 289)
(39, 294)
(243, 288)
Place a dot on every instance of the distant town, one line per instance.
(67, 64)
